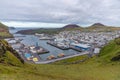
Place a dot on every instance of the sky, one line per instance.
(57, 13)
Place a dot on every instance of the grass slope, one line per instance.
(97, 68)
(4, 31)
(11, 59)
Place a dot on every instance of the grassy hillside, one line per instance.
(4, 31)
(97, 68)
(3, 26)
(8, 55)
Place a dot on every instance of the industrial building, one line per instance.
(82, 47)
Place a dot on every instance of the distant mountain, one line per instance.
(98, 24)
(71, 26)
(101, 27)
(40, 31)
(49, 31)
(98, 27)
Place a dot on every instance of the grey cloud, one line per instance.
(61, 11)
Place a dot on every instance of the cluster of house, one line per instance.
(85, 40)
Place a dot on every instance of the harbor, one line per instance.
(30, 54)
(33, 53)
(60, 46)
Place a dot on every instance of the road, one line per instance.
(58, 59)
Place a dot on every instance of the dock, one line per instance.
(52, 44)
(58, 59)
(44, 50)
(71, 47)
(34, 56)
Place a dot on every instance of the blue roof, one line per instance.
(27, 55)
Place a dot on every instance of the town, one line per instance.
(89, 43)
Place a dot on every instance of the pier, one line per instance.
(60, 47)
(44, 50)
(63, 48)
(72, 47)
(34, 58)
(58, 59)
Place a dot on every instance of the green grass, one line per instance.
(109, 51)
(96, 68)
(5, 35)
(64, 72)
(11, 59)
(4, 32)
(3, 26)
(74, 60)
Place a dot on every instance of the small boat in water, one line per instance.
(61, 55)
(51, 57)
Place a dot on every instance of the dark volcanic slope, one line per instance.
(98, 24)
(71, 26)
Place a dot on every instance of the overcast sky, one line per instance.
(57, 13)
